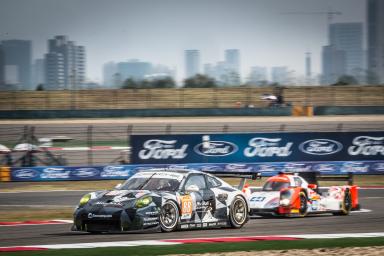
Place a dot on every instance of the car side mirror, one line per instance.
(118, 186)
(312, 186)
(192, 188)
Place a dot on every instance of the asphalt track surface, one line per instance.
(371, 221)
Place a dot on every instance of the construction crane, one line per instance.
(330, 14)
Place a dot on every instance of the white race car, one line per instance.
(291, 195)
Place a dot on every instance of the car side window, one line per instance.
(213, 182)
(197, 180)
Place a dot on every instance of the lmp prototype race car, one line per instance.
(291, 195)
(166, 200)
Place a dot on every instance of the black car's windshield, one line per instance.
(275, 185)
(153, 181)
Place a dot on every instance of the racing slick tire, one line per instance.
(303, 210)
(346, 204)
(169, 216)
(238, 212)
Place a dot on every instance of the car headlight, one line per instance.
(144, 201)
(85, 199)
(285, 197)
(285, 202)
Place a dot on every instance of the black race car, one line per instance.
(166, 200)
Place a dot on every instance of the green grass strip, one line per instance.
(211, 247)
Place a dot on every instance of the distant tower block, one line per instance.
(308, 72)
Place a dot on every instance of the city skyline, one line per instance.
(160, 31)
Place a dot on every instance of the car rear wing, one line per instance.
(242, 176)
(315, 177)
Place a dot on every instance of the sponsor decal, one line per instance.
(150, 218)
(26, 173)
(85, 172)
(143, 168)
(186, 207)
(177, 167)
(216, 148)
(114, 204)
(378, 167)
(151, 223)
(258, 199)
(211, 168)
(325, 168)
(296, 167)
(114, 171)
(55, 173)
(238, 168)
(92, 215)
(267, 168)
(267, 147)
(162, 149)
(320, 147)
(367, 146)
(354, 167)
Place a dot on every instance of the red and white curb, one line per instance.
(186, 241)
(35, 222)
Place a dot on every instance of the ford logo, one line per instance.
(211, 168)
(325, 167)
(320, 147)
(216, 148)
(85, 172)
(378, 167)
(26, 173)
(238, 168)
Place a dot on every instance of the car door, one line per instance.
(204, 198)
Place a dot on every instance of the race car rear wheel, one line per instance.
(303, 210)
(169, 216)
(346, 204)
(238, 212)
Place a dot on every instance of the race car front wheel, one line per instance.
(346, 204)
(169, 216)
(303, 210)
(238, 212)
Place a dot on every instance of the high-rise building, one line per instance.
(232, 58)
(232, 61)
(2, 63)
(280, 75)
(134, 69)
(17, 63)
(348, 37)
(109, 71)
(308, 71)
(192, 63)
(38, 72)
(65, 64)
(375, 29)
(54, 71)
(258, 75)
(333, 64)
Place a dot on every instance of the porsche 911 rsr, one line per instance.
(291, 195)
(160, 199)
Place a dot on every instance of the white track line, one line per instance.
(175, 241)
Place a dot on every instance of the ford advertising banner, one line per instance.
(115, 172)
(257, 147)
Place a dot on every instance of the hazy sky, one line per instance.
(159, 30)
